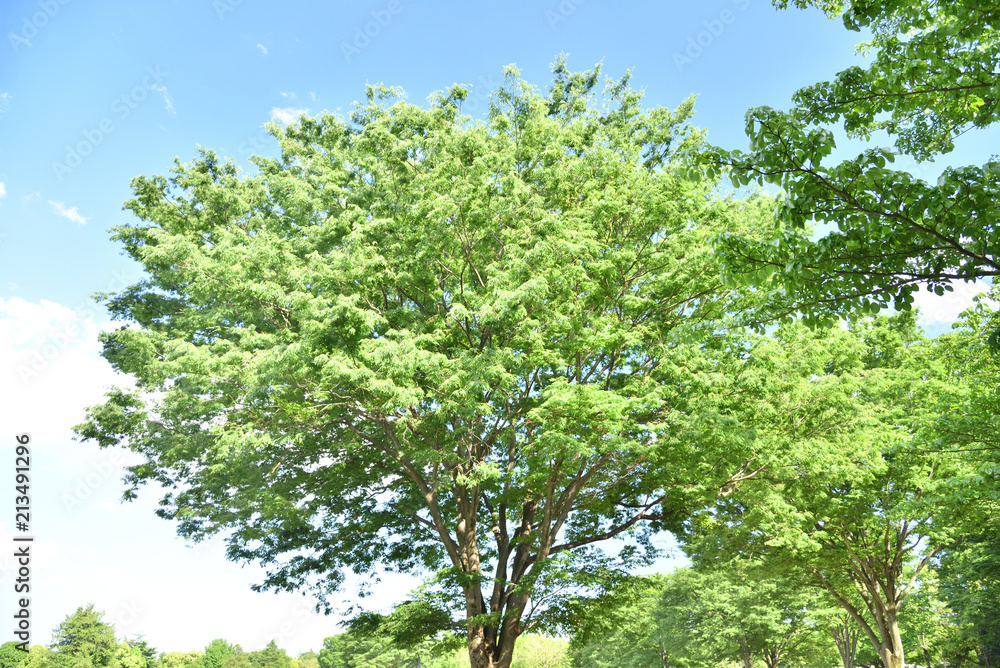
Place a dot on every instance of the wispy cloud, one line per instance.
(3, 189)
(72, 213)
(169, 106)
(312, 95)
(263, 49)
(290, 96)
(287, 115)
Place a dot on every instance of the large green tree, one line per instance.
(414, 340)
(932, 78)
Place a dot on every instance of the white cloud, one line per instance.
(72, 213)
(169, 101)
(944, 310)
(312, 95)
(3, 189)
(263, 49)
(290, 96)
(287, 115)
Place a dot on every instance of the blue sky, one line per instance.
(93, 94)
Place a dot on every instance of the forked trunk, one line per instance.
(490, 647)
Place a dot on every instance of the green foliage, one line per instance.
(84, 640)
(217, 653)
(271, 657)
(349, 650)
(129, 656)
(236, 659)
(183, 659)
(864, 515)
(10, 656)
(415, 342)
(931, 79)
(39, 656)
(970, 582)
(308, 660)
(149, 653)
(932, 628)
(537, 651)
(693, 618)
(615, 628)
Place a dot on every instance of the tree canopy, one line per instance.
(416, 341)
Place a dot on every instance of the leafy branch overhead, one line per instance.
(932, 78)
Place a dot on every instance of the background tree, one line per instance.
(84, 640)
(538, 651)
(931, 79)
(217, 653)
(617, 628)
(149, 653)
(415, 341)
(970, 582)
(10, 656)
(270, 657)
(237, 659)
(308, 660)
(866, 514)
(39, 656)
(181, 659)
(129, 656)
(930, 625)
(352, 650)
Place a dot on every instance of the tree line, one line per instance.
(85, 640)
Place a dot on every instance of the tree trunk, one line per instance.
(491, 647)
(891, 650)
